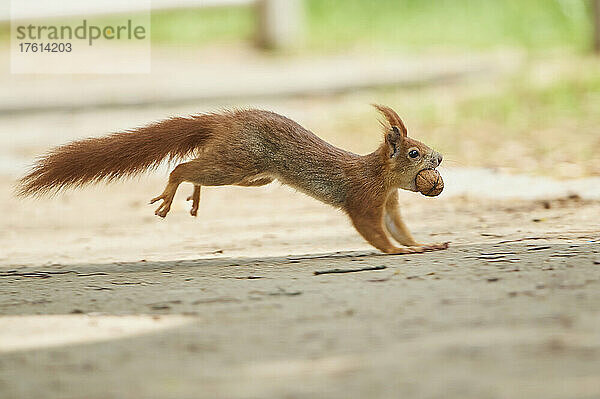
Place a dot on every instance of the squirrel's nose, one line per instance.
(439, 159)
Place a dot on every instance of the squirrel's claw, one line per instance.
(195, 203)
(195, 198)
(435, 247)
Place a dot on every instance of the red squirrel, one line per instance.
(253, 148)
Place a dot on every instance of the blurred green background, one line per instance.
(413, 24)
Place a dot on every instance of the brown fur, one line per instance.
(253, 148)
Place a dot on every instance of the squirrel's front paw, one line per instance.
(434, 247)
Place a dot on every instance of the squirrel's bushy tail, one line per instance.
(117, 155)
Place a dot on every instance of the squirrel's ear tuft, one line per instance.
(393, 139)
(394, 121)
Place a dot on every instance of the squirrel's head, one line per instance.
(405, 157)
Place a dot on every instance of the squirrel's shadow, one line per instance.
(174, 265)
(483, 252)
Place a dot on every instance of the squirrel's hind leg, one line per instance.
(167, 199)
(181, 173)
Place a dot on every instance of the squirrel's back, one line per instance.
(294, 155)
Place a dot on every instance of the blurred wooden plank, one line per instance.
(241, 80)
(279, 23)
(164, 4)
(70, 8)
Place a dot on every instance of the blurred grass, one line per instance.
(389, 24)
(451, 23)
(545, 130)
(202, 26)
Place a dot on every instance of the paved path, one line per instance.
(516, 320)
(198, 76)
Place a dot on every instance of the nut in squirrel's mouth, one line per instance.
(429, 182)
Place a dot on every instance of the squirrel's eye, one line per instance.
(413, 154)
